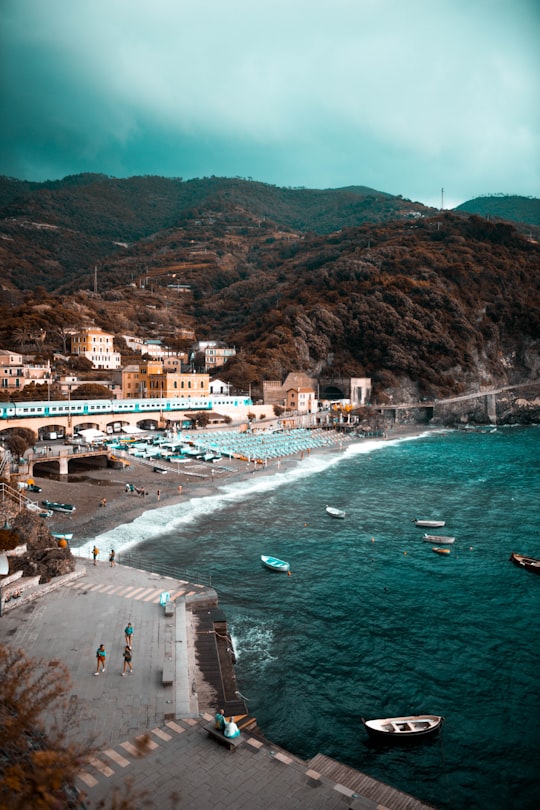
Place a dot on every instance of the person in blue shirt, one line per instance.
(128, 633)
(101, 656)
(220, 719)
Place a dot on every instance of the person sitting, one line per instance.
(220, 719)
(231, 730)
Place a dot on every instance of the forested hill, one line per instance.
(130, 209)
(505, 207)
(54, 233)
(424, 305)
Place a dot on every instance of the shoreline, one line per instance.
(197, 480)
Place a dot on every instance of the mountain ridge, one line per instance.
(422, 301)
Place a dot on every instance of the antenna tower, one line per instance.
(442, 199)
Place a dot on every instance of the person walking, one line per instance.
(101, 656)
(158, 494)
(128, 633)
(127, 660)
(95, 552)
(112, 556)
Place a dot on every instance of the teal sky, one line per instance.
(404, 96)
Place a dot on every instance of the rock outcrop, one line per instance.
(43, 556)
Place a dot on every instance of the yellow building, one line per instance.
(178, 386)
(97, 346)
(150, 381)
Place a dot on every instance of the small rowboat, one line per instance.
(62, 535)
(274, 564)
(335, 513)
(530, 563)
(403, 728)
(438, 538)
(429, 524)
(441, 550)
(58, 507)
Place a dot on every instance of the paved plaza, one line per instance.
(150, 736)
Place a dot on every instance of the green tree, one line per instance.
(38, 765)
(21, 337)
(91, 391)
(19, 440)
(201, 419)
(78, 362)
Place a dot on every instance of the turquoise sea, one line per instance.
(373, 623)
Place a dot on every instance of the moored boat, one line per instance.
(530, 563)
(438, 538)
(441, 550)
(62, 535)
(407, 727)
(35, 507)
(274, 564)
(429, 524)
(58, 507)
(336, 513)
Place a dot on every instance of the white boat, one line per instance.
(35, 507)
(407, 727)
(274, 564)
(62, 535)
(437, 538)
(429, 524)
(335, 513)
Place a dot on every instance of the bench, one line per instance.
(167, 677)
(217, 734)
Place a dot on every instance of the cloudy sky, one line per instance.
(404, 96)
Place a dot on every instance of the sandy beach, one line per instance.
(190, 480)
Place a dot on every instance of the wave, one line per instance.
(160, 521)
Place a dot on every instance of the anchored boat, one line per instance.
(335, 513)
(437, 538)
(530, 563)
(407, 727)
(429, 524)
(274, 564)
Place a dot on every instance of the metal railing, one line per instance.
(5, 463)
(143, 564)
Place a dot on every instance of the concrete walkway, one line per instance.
(145, 730)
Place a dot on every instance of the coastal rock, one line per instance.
(43, 557)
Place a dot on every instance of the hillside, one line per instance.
(426, 306)
(511, 208)
(56, 231)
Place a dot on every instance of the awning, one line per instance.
(91, 434)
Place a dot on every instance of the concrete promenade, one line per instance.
(153, 734)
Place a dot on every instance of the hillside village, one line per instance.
(153, 287)
(161, 373)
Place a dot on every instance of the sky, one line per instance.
(404, 96)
